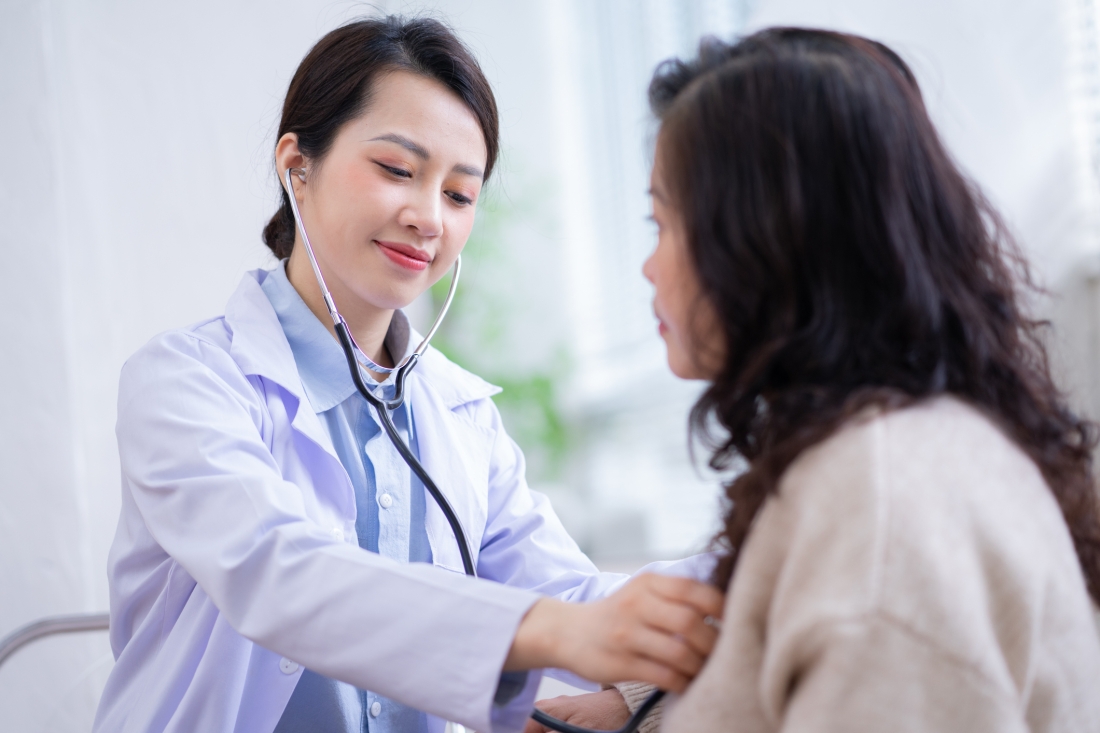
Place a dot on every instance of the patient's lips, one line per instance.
(661, 327)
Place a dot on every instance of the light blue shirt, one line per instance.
(389, 499)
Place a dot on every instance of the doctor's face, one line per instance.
(390, 206)
(686, 319)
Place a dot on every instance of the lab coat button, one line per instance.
(338, 533)
(386, 501)
(287, 667)
(375, 709)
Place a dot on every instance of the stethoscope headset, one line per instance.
(357, 360)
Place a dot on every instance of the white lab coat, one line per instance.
(235, 562)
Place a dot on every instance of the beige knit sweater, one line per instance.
(914, 573)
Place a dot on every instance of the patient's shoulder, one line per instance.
(940, 449)
(921, 495)
(938, 481)
(932, 515)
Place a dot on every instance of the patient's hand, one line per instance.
(651, 630)
(605, 710)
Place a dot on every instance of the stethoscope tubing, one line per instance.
(384, 407)
(403, 449)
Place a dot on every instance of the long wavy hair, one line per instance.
(850, 263)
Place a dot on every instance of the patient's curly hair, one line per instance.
(850, 263)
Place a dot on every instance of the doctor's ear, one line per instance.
(287, 155)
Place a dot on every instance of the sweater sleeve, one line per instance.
(636, 693)
(875, 674)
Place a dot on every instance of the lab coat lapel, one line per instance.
(260, 348)
(455, 452)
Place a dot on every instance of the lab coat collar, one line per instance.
(317, 355)
(259, 345)
(320, 360)
(260, 348)
(451, 445)
(454, 385)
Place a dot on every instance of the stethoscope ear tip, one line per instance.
(288, 184)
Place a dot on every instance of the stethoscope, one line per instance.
(357, 359)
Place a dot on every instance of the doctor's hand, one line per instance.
(654, 630)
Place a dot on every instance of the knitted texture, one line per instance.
(635, 693)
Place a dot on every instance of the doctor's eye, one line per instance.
(459, 198)
(394, 171)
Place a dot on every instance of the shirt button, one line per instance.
(287, 667)
(338, 533)
(375, 709)
(386, 501)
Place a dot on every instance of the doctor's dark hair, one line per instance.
(332, 86)
(850, 264)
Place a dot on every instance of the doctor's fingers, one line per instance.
(655, 673)
(704, 598)
(676, 606)
(684, 622)
(672, 651)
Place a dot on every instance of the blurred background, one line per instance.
(139, 137)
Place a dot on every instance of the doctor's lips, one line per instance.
(405, 255)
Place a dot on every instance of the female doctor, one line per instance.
(277, 566)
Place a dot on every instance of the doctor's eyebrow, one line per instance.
(421, 152)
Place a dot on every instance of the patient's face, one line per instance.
(686, 319)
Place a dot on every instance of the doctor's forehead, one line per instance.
(425, 118)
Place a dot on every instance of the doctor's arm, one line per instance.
(191, 431)
(525, 544)
(194, 434)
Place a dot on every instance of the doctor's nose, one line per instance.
(424, 213)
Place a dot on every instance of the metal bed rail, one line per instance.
(48, 627)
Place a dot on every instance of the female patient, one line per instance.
(916, 537)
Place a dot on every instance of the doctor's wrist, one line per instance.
(538, 637)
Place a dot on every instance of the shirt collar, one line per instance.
(320, 360)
